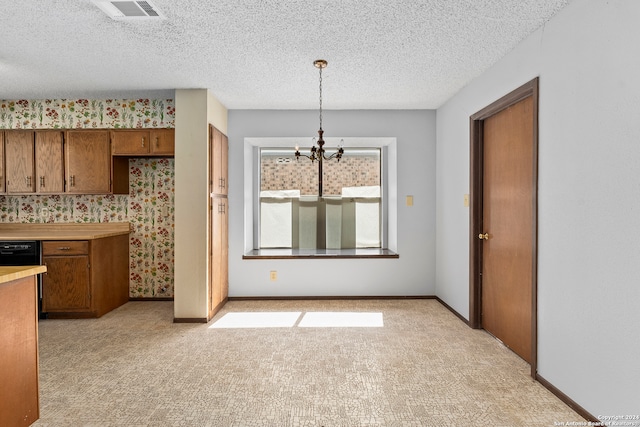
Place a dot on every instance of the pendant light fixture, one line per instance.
(318, 153)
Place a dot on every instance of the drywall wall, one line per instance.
(588, 258)
(194, 109)
(217, 113)
(412, 274)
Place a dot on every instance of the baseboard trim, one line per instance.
(567, 400)
(189, 320)
(150, 299)
(303, 298)
(458, 315)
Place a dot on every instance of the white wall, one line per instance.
(412, 274)
(589, 205)
(195, 108)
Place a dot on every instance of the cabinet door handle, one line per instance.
(143, 141)
(73, 180)
(157, 142)
(42, 181)
(64, 248)
(28, 180)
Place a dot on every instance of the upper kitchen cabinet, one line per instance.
(143, 142)
(163, 142)
(34, 162)
(2, 177)
(49, 162)
(219, 146)
(88, 162)
(19, 152)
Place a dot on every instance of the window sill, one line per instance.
(319, 253)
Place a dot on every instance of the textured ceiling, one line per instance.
(383, 54)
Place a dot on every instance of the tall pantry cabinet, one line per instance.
(219, 224)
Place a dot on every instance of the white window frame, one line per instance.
(389, 179)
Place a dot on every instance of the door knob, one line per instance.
(484, 236)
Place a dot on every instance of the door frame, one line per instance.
(476, 121)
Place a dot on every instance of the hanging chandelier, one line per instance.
(318, 153)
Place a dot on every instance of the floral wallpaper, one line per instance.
(149, 206)
(85, 113)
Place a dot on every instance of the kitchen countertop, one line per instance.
(65, 231)
(8, 274)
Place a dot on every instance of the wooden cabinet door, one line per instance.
(224, 163)
(218, 276)
(88, 162)
(216, 249)
(130, 142)
(19, 152)
(163, 142)
(19, 352)
(48, 158)
(218, 161)
(2, 170)
(215, 151)
(224, 256)
(66, 284)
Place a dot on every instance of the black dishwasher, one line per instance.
(23, 252)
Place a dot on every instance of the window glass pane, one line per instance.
(359, 167)
(349, 214)
(280, 171)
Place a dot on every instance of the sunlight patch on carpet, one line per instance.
(327, 319)
(267, 319)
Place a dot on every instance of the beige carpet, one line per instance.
(423, 367)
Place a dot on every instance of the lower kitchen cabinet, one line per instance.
(19, 400)
(85, 278)
(67, 283)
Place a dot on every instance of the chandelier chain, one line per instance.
(318, 153)
(320, 97)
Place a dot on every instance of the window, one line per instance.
(347, 216)
(281, 210)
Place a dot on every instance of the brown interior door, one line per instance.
(507, 226)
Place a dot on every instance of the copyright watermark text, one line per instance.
(605, 421)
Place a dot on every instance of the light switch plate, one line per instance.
(466, 200)
(409, 200)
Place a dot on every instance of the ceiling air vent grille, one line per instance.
(129, 10)
(150, 11)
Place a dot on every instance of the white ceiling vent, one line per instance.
(129, 10)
